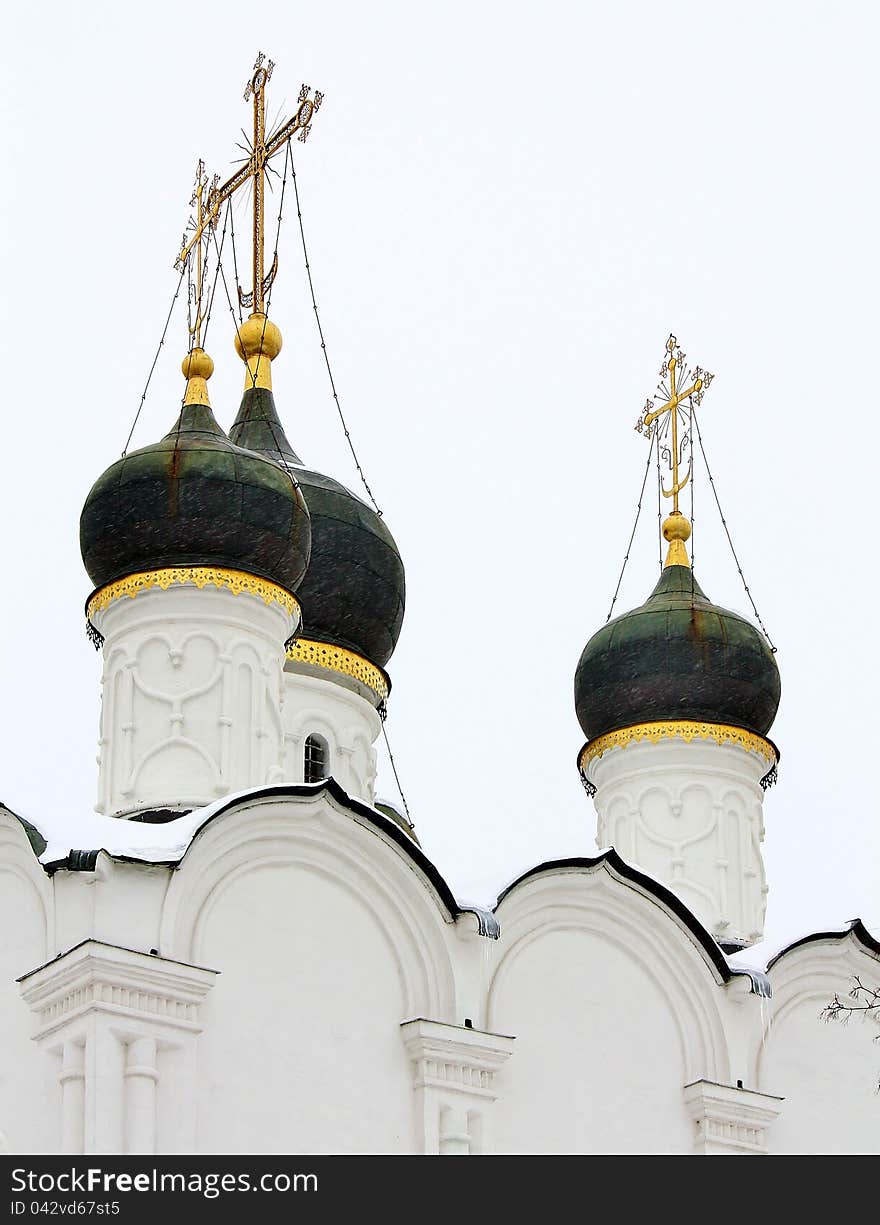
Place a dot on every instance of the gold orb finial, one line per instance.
(197, 368)
(258, 342)
(676, 530)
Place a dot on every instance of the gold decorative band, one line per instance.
(721, 733)
(236, 581)
(337, 659)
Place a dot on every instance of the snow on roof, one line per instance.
(762, 955)
(165, 842)
(168, 841)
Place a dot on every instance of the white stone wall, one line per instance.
(830, 1071)
(612, 1014)
(297, 984)
(29, 1114)
(691, 814)
(191, 697)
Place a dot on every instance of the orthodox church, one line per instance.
(259, 957)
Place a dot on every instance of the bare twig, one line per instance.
(865, 1001)
(862, 1001)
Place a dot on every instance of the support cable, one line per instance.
(345, 428)
(633, 533)
(234, 256)
(287, 160)
(155, 359)
(396, 776)
(729, 540)
(216, 274)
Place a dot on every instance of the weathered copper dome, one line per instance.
(677, 657)
(195, 499)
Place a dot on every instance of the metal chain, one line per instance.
(633, 533)
(729, 540)
(234, 256)
(185, 271)
(216, 277)
(302, 234)
(396, 776)
(155, 359)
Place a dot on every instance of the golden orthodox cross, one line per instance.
(198, 224)
(261, 152)
(699, 385)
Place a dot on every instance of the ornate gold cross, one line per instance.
(676, 528)
(261, 152)
(199, 223)
(197, 367)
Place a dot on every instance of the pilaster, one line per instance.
(729, 1119)
(454, 1079)
(115, 1022)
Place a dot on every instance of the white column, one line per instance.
(690, 814)
(73, 1101)
(105, 1054)
(141, 1080)
(111, 1011)
(455, 1137)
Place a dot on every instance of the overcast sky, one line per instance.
(509, 207)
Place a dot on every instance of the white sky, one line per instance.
(509, 207)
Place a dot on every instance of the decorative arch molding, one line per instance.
(810, 972)
(596, 900)
(658, 785)
(308, 719)
(18, 857)
(309, 697)
(166, 640)
(183, 742)
(731, 795)
(312, 832)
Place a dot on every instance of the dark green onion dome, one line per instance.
(676, 657)
(195, 499)
(354, 590)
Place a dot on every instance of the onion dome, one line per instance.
(677, 657)
(195, 499)
(353, 592)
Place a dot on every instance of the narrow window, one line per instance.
(317, 759)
